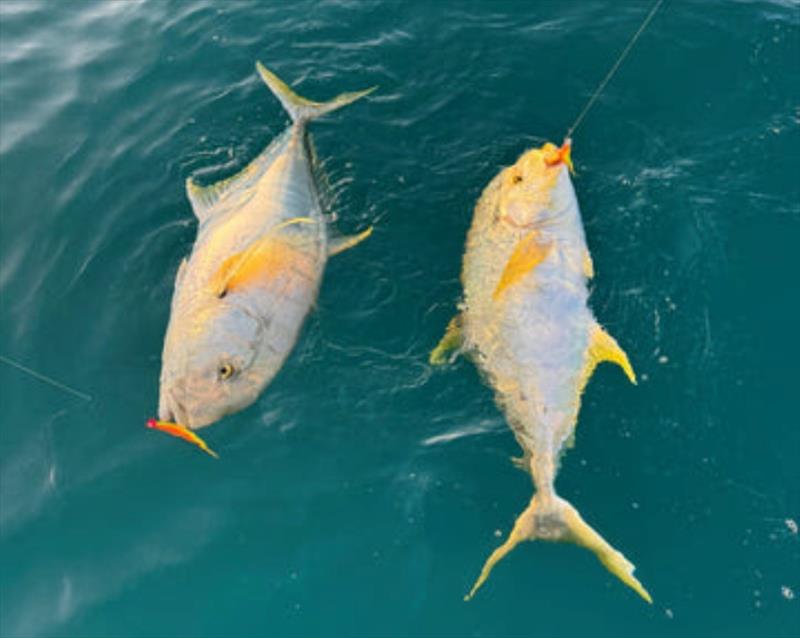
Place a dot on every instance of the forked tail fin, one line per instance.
(557, 520)
(299, 108)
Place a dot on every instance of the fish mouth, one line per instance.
(173, 411)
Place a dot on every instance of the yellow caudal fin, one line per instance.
(450, 344)
(299, 108)
(604, 347)
(557, 520)
(524, 530)
(581, 533)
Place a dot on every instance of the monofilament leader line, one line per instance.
(45, 379)
(613, 70)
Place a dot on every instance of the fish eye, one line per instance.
(516, 179)
(225, 371)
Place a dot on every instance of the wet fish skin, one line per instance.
(531, 342)
(526, 323)
(255, 269)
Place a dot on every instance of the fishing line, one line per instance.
(614, 68)
(45, 379)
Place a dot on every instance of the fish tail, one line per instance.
(554, 519)
(299, 108)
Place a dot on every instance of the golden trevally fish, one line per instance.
(526, 324)
(253, 274)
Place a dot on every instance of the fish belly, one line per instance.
(533, 354)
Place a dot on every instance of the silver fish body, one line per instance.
(532, 343)
(253, 275)
(526, 323)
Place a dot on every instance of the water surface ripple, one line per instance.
(361, 493)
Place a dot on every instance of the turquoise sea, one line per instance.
(361, 494)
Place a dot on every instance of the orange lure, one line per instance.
(555, 155)
(182, 432)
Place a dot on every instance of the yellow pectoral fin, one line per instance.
(604, 347)
(527, 255)
(264, 256)
(263, 260)
(232, 268)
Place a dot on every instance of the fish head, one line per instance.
(526, 186)
(216, 361)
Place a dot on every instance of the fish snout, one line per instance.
(176, 406)
(171, 410)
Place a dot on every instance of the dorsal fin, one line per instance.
(204, 198)
(450, 345)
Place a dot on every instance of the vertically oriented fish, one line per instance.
(253, 274)
(526, 324)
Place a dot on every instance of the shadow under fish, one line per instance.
(254, 272)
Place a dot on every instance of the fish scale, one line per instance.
(253, 274)
(526, 324)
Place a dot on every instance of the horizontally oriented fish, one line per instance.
(526, 324)
(253, 274)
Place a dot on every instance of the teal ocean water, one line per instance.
(361, 494)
